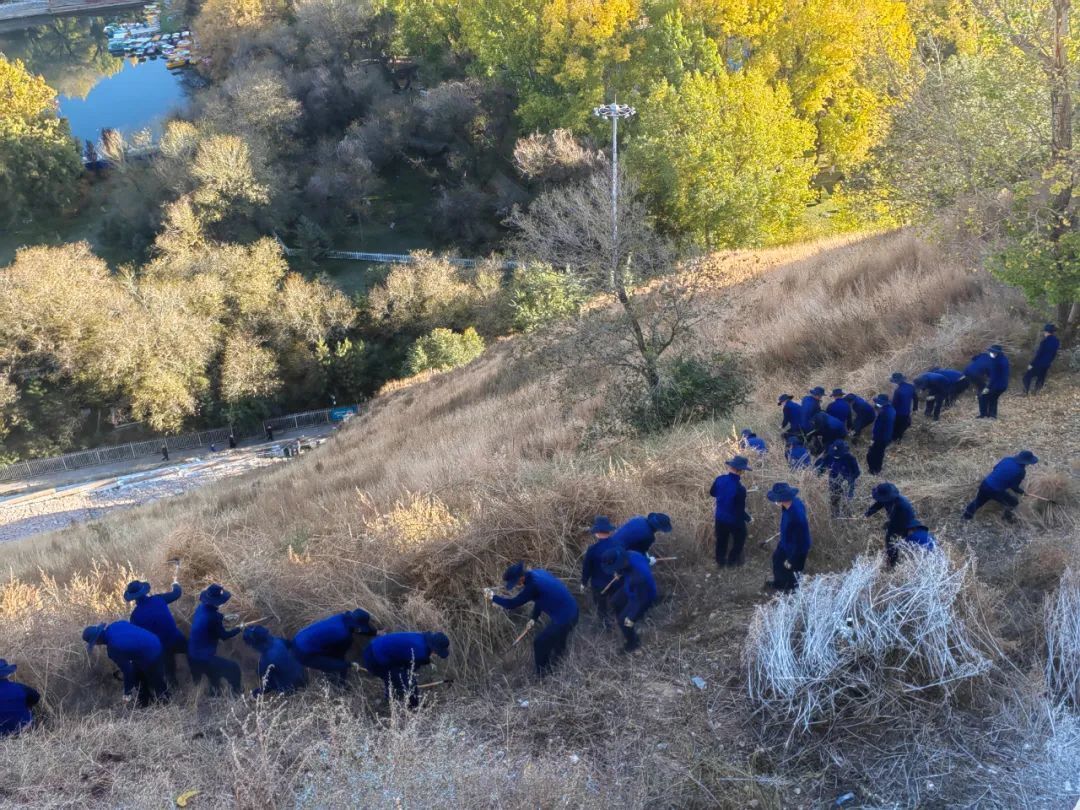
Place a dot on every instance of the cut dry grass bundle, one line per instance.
(867, 645)
(1062, 622)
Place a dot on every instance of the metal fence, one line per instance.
(151, 447)
(391, 258)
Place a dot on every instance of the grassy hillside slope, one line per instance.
(414, 508)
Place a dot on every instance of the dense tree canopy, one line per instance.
(39, 160)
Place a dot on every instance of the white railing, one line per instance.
(151, 447)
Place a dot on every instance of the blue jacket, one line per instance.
(883, 425)
(638, 588)
(279, 671)
(207, 629)
(999, 374)
(862, 411)
(549, 596)
(396, 651)
(1007, 474)
(828, 428)
(635, 535)
(794, 531)
(900, 513)
(591, 573)
(132, 649)
(922, 538)
(730, 497)
(332, 635)
(152, 613)
(839, 409)
(798, 457)
(844, 467)
(16, 700)
(1047, 351)
(792, 415)
(810, 405)
(904, 398)
(756, 443)
(979, 368)
(936, 384)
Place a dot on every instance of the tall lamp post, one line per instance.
(614, 111)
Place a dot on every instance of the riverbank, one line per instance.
(19, 13)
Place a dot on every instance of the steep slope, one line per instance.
(421, 503)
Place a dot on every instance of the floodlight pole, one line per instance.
(614, 111)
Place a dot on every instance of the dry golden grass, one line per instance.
(421, 502)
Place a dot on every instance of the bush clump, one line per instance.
(444, 349)
(541, 295)
(694, 388)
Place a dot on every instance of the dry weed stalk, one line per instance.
(866, 645)
(1062, 622)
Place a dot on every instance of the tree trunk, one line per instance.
(1060, 94)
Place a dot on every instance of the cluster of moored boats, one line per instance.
(144, 40)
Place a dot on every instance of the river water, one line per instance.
(96, 89)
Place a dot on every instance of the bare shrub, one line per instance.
(1062, 622)
(863, 646)
(556, 157)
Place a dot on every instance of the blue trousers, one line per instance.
(216, 669)
(988, 404)
(549, 646)
(785, 579)
(600, 599)
(860, 423)
(875, 457)
(735, 533)
(985, 495)
(1036, 375)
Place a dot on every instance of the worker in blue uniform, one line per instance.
(207, 629)
(936, 388)
(789, 558)
(152, 612)
(863, 415)
(826, 430)
(549, 596)
(324, 645)
(592, 575)
(997, 382)
(900, 513)
(810, 405)
(635, 592)
(798, 456)
(839, 408)
(958, 383)
(1008, 474)
(904, 401)
(639, 532)
(396, 658)
(751, 441)
(843, 470)
(792, 422)
(883, 432)
(137, 654)
(1039, 365)
(730, 515)
(279, 671)
(17, 702)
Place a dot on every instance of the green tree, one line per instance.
(444, 349)
(39, 160)
(541, 295)
(725, 158)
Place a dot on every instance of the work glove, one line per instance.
(787, 565)
(127, 698)
(652, 559)
(355, 666)
(489, 595)
(628, 622)
(930, 399)
(1029, 368)
(985, 391)
(530, 624)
